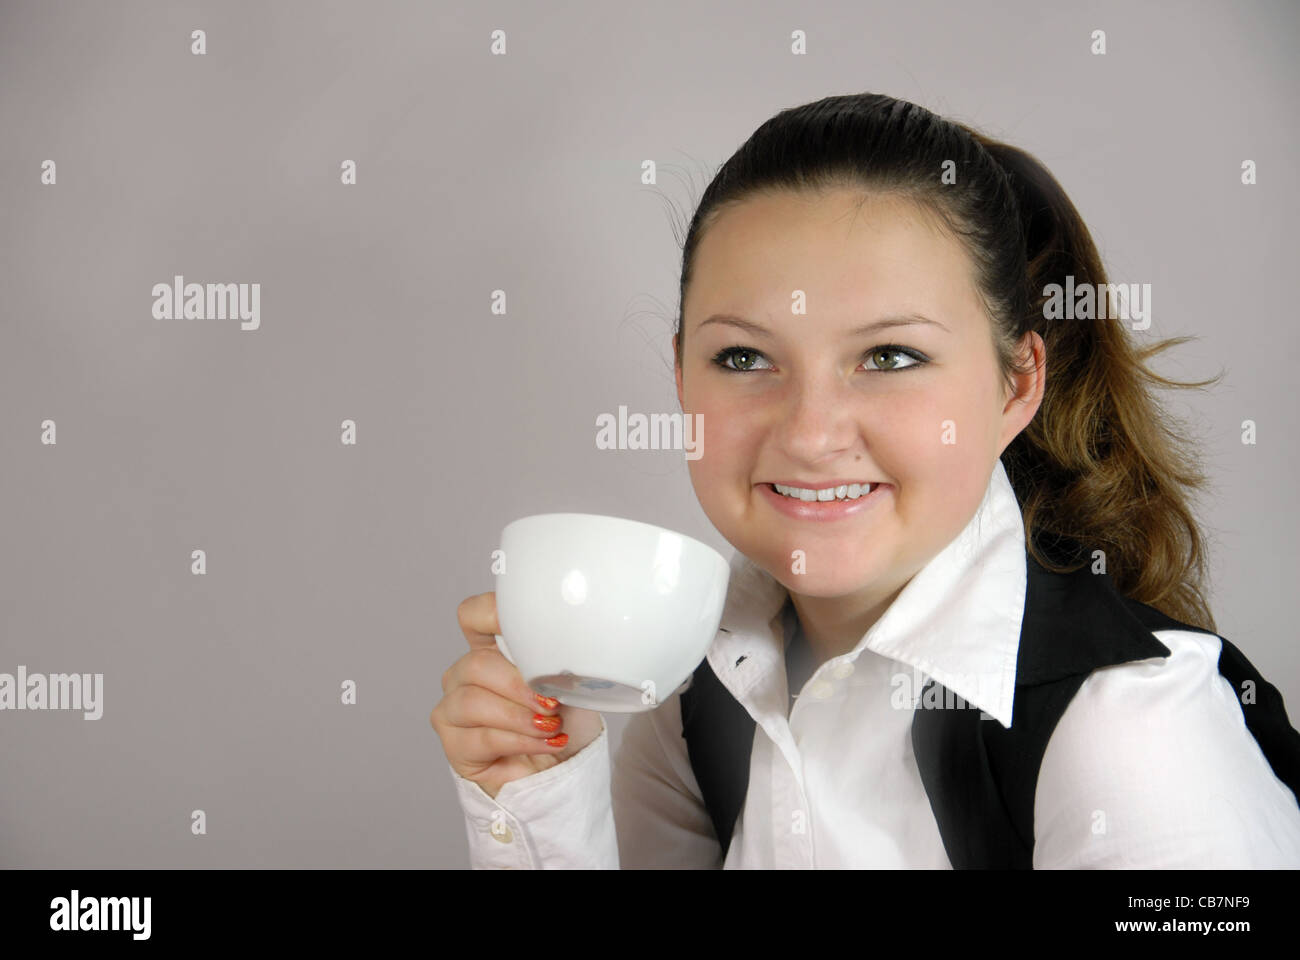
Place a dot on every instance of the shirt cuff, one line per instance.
(559, 818)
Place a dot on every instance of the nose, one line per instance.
(820, 420)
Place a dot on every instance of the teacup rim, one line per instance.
(606, 516)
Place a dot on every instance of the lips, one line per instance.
(824, 484)
(823, 510)
(852, 492)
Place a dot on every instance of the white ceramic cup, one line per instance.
(606, 613)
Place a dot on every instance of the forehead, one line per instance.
(847, 251)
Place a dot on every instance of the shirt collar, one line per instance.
(957, 620)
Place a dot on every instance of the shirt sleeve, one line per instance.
(564, 817)
(558, 818)
(1152, 766)
(662, 820)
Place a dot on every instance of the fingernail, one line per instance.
(558, 741)
(543, 722)
(550, 703)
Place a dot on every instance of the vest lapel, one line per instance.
(719, 736)
(981, 777)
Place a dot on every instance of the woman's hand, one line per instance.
(492, 727)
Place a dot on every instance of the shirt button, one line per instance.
(503, 834)
(841, 670)
(822, 690)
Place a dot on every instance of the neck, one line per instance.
(832, 626)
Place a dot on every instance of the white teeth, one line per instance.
(851, 491)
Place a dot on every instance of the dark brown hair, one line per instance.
(1101, 465)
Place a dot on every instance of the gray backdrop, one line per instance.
(329, 562)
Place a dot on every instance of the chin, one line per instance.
(821, 580)
(824, 586)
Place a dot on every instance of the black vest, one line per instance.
(979, 776)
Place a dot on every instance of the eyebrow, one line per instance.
(893, 320)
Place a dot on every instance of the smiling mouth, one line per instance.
(844, 492)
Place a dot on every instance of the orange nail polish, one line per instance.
(549, 724)
(550, 703)
(558, 741)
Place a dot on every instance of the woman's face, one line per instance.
(811, 402)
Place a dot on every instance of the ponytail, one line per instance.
(1101, 466)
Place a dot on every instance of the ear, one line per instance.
(1026, 390)
(678, 369)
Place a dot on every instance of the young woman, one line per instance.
(965, 625)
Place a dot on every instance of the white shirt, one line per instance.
(1150, 766)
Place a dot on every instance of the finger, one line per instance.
(477, 616)
(473, 708)
(486, 667)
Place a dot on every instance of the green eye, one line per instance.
(744, 358)
(896, 353)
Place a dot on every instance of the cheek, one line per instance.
(729, 439)
(936, 444)
(912, 436)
